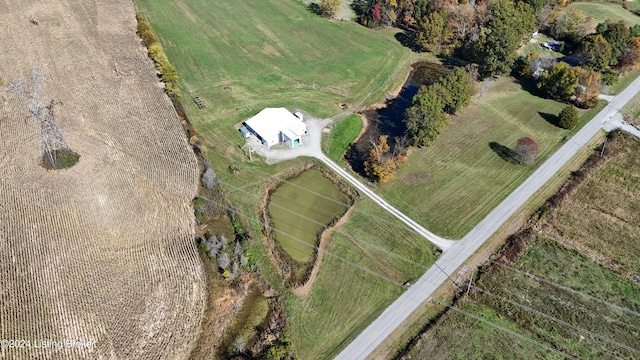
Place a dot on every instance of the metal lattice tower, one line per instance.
(49, 137)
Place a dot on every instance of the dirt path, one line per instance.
(324, 239)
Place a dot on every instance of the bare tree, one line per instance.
(223, 260)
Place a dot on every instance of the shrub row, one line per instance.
(168, 72)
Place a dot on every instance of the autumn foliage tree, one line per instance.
(328, 8)
(525, 151)
(588, 89)
(380, 165)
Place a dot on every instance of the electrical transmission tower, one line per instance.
(49, 137)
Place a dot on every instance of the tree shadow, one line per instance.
(550, 118)
(504, 152)
(529, 85)
(451, 61)
(314, 8)
(407, 39)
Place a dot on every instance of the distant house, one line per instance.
(276, 125)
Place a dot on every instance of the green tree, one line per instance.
(458, 86)
(328, 8)
(433, 31)
(596, 52)
(617, 35)
(508, 23)
(560, 81)
(425, 119)
(571, 25)
(568, 117)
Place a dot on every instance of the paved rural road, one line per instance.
(458, 253)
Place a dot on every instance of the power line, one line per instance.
(339, 231)
(637, 326)
(509, 331)
(317, 248)
(269, 175)
(565, 288)
(383, 277)
(559, 321)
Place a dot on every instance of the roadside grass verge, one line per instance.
(580, 253)
(344, 132)
(602, 11)
(460, 177)
(622, 82)
(243, 56)
(352, 291)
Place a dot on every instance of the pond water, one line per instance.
(301, 208)
(389, 120)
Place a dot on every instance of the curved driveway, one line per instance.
(311, 147)
(457, 254)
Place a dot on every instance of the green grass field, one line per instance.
(357, 284)
(243, 56)
(601, 11)
(301, 208)
(342, 135)
(587, 244)
(460, 178)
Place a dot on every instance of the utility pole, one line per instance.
(603, 145)
(251, 150)
(470, 281)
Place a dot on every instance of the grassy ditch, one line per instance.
(584, 299)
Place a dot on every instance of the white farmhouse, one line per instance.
(276, 125)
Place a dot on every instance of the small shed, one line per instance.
(276, 125)
(245, 133)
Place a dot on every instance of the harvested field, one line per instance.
(103, 252)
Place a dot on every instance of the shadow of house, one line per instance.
(504, 152)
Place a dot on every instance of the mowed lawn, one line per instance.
(459, 177)
(601, 11)
(358, 279)
(242, 56)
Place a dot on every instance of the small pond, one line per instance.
(389, 120)
(301, 208)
